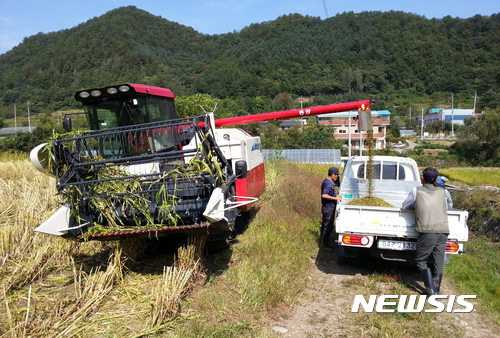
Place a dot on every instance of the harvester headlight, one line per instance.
(95, 93)
(84, 95)
(124, 89)
(111, 90)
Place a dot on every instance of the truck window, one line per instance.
(388, 172)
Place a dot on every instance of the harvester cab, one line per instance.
(142, 172)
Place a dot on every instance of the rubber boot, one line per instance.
(428, 282)
(436, 281)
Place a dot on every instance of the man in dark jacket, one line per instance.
(329, 200)
(431, 223)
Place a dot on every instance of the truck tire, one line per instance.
(342, 260)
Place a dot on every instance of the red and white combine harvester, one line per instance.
(142, 172)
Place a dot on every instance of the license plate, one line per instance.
(396, 245)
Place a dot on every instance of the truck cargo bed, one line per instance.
(393, 222)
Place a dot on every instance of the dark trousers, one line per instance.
(431, 245)
(327, 227)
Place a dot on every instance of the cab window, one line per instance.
(389, 172)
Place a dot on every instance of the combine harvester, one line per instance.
(142, 172)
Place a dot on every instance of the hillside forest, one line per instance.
(404, 61)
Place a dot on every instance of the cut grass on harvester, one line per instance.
(111, 193)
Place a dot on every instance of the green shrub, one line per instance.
(480, 203)
(426, 145)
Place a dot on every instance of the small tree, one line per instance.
(318, 137)
(479, 142)
(192, 105)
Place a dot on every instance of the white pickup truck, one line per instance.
(385, 232)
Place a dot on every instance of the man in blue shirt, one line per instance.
(329, 201)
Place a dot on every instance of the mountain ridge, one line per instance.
(351, 54)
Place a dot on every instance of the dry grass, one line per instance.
(25, 201)
(169, 291)
(53, 287)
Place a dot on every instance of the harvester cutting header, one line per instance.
(142, 172)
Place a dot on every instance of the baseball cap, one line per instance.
(333, 170)
(430, 174)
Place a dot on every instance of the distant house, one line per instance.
(455, 116)
(346, 125)
(286, 125)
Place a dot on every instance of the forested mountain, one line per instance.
(351, 55)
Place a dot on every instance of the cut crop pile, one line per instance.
(370, 201)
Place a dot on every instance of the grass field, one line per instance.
(478, 273)
(57, 288)
(474, 176)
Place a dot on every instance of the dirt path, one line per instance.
(325, 308)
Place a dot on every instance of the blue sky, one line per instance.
(23, 18)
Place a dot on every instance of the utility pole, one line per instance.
(15, 119)
(360, 142)
(422, 126)
(29, 120)
(452, 111)
(475, 100)
(349, 135)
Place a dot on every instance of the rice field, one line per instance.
(53, 287)
(474, 176)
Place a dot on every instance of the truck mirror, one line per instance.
(365, 120)
(241, 169)
(67, 124)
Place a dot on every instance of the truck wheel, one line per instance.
(342, 260)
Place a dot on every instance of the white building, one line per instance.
(455, 116)
(346, 127)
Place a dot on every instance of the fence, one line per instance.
(320, 156)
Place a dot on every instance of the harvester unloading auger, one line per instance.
(142, 172)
